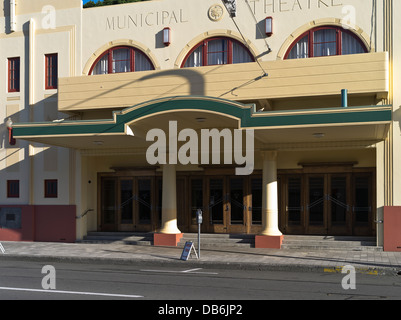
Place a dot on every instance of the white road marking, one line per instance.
(73, 292)
(190, 271)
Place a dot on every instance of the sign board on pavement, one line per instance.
(2, 248)
(186, 252)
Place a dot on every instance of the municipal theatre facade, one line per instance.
(272, 117)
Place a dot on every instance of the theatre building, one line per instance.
(105, 113)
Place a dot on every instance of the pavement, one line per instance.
(367, 262)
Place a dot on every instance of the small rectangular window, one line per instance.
(14, 74)
(12, 188)
(51, 189)
(11, 218)
(51, 71)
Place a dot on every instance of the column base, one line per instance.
(165, 239)
(268, 242)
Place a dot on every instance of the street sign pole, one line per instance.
(199, 220)
(199, 231)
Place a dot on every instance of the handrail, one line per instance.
(84, 214)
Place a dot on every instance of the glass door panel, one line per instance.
(237, 201)
(256, 190)
(108, 204)
(126, 201)
(294, 207)
(338, 200)
(316, 201)
(362, 209)
(196, 198)
(159, 202)
(144, 201)
(362, 200)
(216, 201)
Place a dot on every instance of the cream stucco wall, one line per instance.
(190, 23)
(79, 36)
(42, 27)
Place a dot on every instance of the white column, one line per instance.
(169, 202)
(270, 195)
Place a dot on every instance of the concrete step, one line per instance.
(136, 238)
(312, 247)
(210, 240)
(329, 238)
(220, 240)
(343, 243)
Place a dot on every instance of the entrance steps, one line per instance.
(343, 243)
(133, 238)
(210, 240)
(146, 238)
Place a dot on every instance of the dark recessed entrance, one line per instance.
(315, 203)
(327, 203)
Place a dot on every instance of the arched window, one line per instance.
(121, 59)
(215, 51)
(325, 41)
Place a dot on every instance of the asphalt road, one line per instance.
(22, 280)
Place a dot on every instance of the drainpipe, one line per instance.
(344, 98)
(13, 22)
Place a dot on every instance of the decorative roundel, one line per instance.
(216, 12)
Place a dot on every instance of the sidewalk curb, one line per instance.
(374, 271)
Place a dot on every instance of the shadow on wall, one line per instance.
(397, 116)
(6, 12)
(194, 78)
(46, 110)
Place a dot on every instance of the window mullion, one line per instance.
(132, 55)
(230, 52)
(339, 42)
(205, 53)
(110, 61)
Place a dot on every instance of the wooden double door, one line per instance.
(230, 204)
(127, 203)
(328, 204)
(309, 203)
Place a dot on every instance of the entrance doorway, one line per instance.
(227, 204)
(230, 204)
(340, 202)
(126, 203)
(328, 204)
